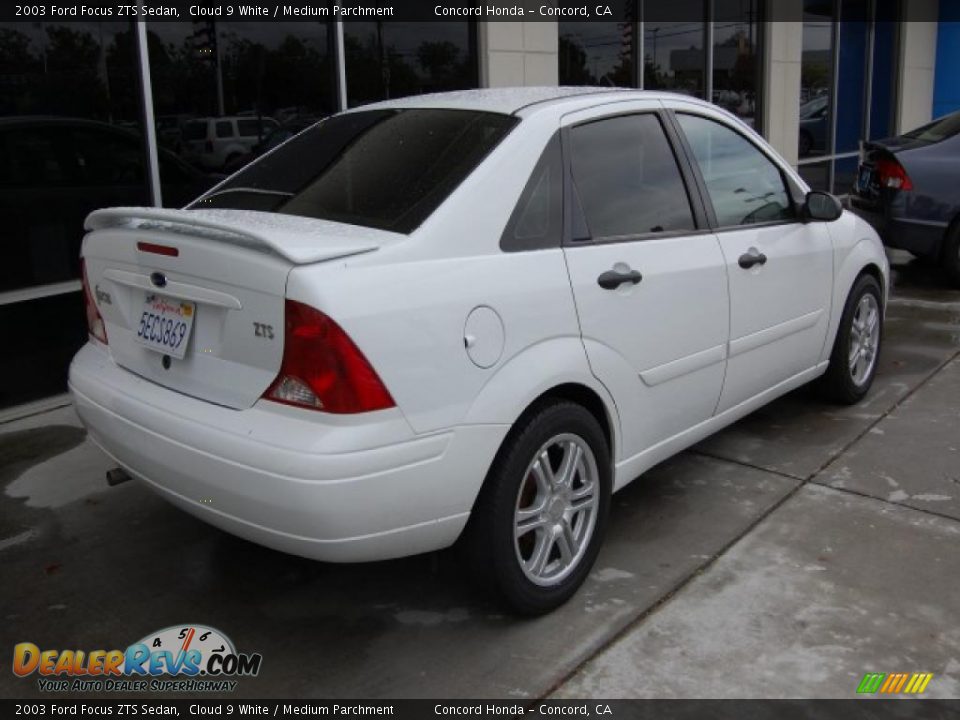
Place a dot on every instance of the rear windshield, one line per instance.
(385, 169)
(938, 130)
(195, 130)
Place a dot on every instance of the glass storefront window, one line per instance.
(848, 86)
(70, 95)
(49, 332)
(71, 141)
(599, 53)
(736, 57)
(817, 175)
(224, 92)
(883, 85)
(673, 50)
(816, 80)
(851, 75)
(845, 173)
(391, 59)
(672, 40)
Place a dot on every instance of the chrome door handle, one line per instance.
(752, 257)
(612, 279)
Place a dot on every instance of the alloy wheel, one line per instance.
(556, 509)
(864, 339)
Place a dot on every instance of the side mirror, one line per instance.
(821, 205)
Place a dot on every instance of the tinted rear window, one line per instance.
(385, 169)
(627, 179)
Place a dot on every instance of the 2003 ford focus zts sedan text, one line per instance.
(471, 315)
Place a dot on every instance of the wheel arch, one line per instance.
(869, 268)
(866, 257)
(554, 369)
(874, 270)
(587, 398)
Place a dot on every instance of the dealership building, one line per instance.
(98, 113)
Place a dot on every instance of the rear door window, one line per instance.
(385, 169)
(224, 129)
(627, 178)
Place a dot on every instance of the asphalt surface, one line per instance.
(784, 557)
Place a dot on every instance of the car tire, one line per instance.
(856, 349)
(564, 514)
(950, 255)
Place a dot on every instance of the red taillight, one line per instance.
(322, 369)
(95, 324)
(890, 174)
(156, 249)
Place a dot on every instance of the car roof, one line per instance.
(514, 100)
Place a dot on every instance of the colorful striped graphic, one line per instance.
(893, 683)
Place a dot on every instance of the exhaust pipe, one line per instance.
(116, 476)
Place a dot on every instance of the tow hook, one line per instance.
(117, 476)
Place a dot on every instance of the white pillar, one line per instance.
(149, 121)
(518, 53)
(341, 65)
(782, 58)
(917, 60)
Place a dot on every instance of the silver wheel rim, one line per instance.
(556, 510)
(864, 339)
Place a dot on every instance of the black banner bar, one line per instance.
(618, 11)
(859, 709)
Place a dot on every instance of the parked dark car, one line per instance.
(54, 171)
(908, 187)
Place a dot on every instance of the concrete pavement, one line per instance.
(775, 546)
(828, 587)
(838, 582)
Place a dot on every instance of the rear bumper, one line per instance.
(916, 236)
(334, 489)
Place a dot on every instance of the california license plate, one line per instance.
(165, 324)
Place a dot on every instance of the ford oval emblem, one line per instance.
(158, 279)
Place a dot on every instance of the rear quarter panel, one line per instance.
(406, 305)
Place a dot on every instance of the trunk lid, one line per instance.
(230, 269)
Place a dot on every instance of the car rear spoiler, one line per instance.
(297, 239)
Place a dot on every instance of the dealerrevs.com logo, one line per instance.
(180, 658)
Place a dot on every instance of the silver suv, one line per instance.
(215, 142)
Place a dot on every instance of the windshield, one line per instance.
(385, 169)
(940, 129)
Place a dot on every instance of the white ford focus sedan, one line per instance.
(473, 314)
